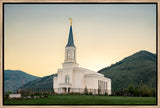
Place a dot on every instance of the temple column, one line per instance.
(67, 90)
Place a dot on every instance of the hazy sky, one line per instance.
(35, 35)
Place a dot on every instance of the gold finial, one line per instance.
(70, 21)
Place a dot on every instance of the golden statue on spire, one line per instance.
(70, 21)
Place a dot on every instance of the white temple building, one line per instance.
(74, 79)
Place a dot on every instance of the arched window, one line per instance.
(67, 79)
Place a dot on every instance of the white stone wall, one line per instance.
(78, 79)
(109, 87)
(91, 82)
(14, 95)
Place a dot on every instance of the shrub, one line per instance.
(85, 91)
(75, 93)
(90, 93)
(106, 94)
(6, 95)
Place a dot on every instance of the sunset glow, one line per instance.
(35, 35)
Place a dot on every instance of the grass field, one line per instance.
(84, 100)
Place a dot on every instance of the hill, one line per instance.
(13, 79)
(131, 70)
(44, 82)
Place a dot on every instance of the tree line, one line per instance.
(140, 90)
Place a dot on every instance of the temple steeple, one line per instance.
(70, 38)
(70, 49)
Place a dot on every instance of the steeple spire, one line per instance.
(70, 39)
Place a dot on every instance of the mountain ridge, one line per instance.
(132, 69)
(44, 82)
(13, 79)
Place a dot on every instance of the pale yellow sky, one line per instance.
(35, 35)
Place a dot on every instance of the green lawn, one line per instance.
(84, 100)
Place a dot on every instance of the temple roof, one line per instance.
(70, 38)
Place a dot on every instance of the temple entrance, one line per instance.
(66, 90)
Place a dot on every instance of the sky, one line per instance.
(35, 35)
